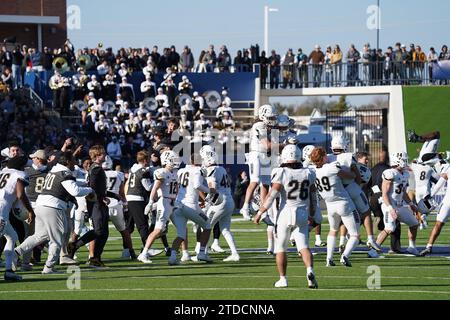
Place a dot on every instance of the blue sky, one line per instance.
(239, 23)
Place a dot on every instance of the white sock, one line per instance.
(185, 252)
(230, 241)
(309, 270)
(270, 244)
(245, 206)
(318, 239)
(331, 242)
(429, 246)
(144, 251)
(197, 247)
(216, 242)
(283, 278)
(351, 244)
(371, 238)
(341, 241)
(412, 244)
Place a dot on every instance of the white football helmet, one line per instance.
(268, 114)
(108, 164)
(291, 154)
(19, 211)
(206, 150)
(339, 143)
(307, 152)
(283, 122)
(210, 159)
(399, 159)
(426, 205)
(171, 159)
(365, 172)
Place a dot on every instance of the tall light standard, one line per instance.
(266, 27)
(378, 26)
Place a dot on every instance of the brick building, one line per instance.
(37, 23)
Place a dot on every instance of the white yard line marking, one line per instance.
(221, 289)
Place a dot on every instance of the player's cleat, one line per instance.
(204, 257)
(312, 282)
(373, 254)
(330, 263)
(48, 270)
(374, 245)
(394, 252)
(320, 244)
(269, 253)
(194, 258)
(413, 251)
(133, 255)
(282, 283)
(186, 258)
(144, 259)
(126, 254)
(426, 252)
(11, 276)
(292, 243)
(232, 258)
(26, 267)
(197, 248)
(341, 248)
(66, 261)
(246, 214)
(96, 263)
(153, 252)
(412, 136)
(168, 252)
(346, 262)
(173, 261)
(217, 249)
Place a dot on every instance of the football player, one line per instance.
(444, 211)
(259, 156)
(394, 194)
(295, 185)
(12, 186)
(116, 196)
(340, 207)
(190, 184)
(339, 147)
(221, 209)
(166, 187)
(424, 177)
(429, 152)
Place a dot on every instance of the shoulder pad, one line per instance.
(160, 174)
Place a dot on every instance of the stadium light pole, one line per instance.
(378, 26)
(267, 9)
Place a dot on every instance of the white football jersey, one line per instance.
(329, 185)
(169, 187)
(114, 180)
(8, 182)
(296, 185)
(346, 160)
(257, 133)
(219, 176)
(189, 179)
(423, 177)
(399, 184)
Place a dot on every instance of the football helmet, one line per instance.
(399, 159)
(339, 143)
(291, 154)
(268, 114)
(307, 152)
(283, 122)
(210, 159)
(108, 164)
(426, 205)
(206, 150)
(171, 159)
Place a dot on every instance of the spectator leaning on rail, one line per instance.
(317, 59)
(353, 57)
(288, 62)
(186, 60)
(275, 68)
(336, 63)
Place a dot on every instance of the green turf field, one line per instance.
(402, 277)
(427, 109)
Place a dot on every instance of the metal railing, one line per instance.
(349, 75)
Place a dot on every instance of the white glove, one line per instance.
(148, 208)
